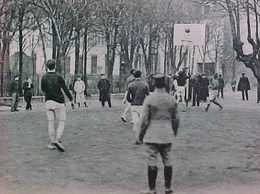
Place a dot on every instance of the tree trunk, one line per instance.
(6, 63)
(77, 47)
(21, 16)
(258, 92)
(85, 55)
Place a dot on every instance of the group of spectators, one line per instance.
(186, 87)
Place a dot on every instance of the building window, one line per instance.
(93, 64)
(206, 9)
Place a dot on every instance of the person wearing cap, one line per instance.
(243, 86)
(213, 92)
(14, 90)
(52, 85)
(158, 125)
(27, 88)
(79, 88)
(104, 91)
(136, 93)
(128, 105)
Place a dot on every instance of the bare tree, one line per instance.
(252, 60)
(238, 10)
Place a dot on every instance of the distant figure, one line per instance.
(53, 85)
(196, 84)
(233, 85)
(137, 92)
(128, 105)
(104, 91)
(28, 91)
(204, 87)
(14, 90)
(79, 88)
(213, 92)
(158, 125)
(221, 86)
(181, 86)
(243, 86)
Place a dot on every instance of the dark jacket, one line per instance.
(52, 85)
(14, 87)
(221, 83)
(137, 91)
(243, 84)
(204, 85)
(104, 89)
(27, 89)
(196, 82)
(181, 79)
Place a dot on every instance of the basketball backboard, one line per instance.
(189, 34)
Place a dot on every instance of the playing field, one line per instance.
(214, 152)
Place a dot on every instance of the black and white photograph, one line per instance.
(129, 97)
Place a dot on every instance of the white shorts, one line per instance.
(136, 112)
(180, 90)
(213, 94)
(55, 110)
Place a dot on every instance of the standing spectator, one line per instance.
(28, 87)
(52, 85)
(196, 84)
(137, 92)
(243, 86)
(158, 124)
(128, 105)
(104, 89)
(79, 88)
(213, 92)
(233, 85)
(14, 90)
(221, 86)
(204, 87)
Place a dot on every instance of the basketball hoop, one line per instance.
(189, 34)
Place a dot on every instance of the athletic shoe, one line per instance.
(168, 191)
(51, 146)
(123, 119)
(59, 146)
(138, 142)
(148, 192)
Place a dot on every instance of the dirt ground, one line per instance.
(217, 152)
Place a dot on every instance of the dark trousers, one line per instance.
(221, 91)
(103, 103)
(244, 92)
(28, 99)
(196, 97)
